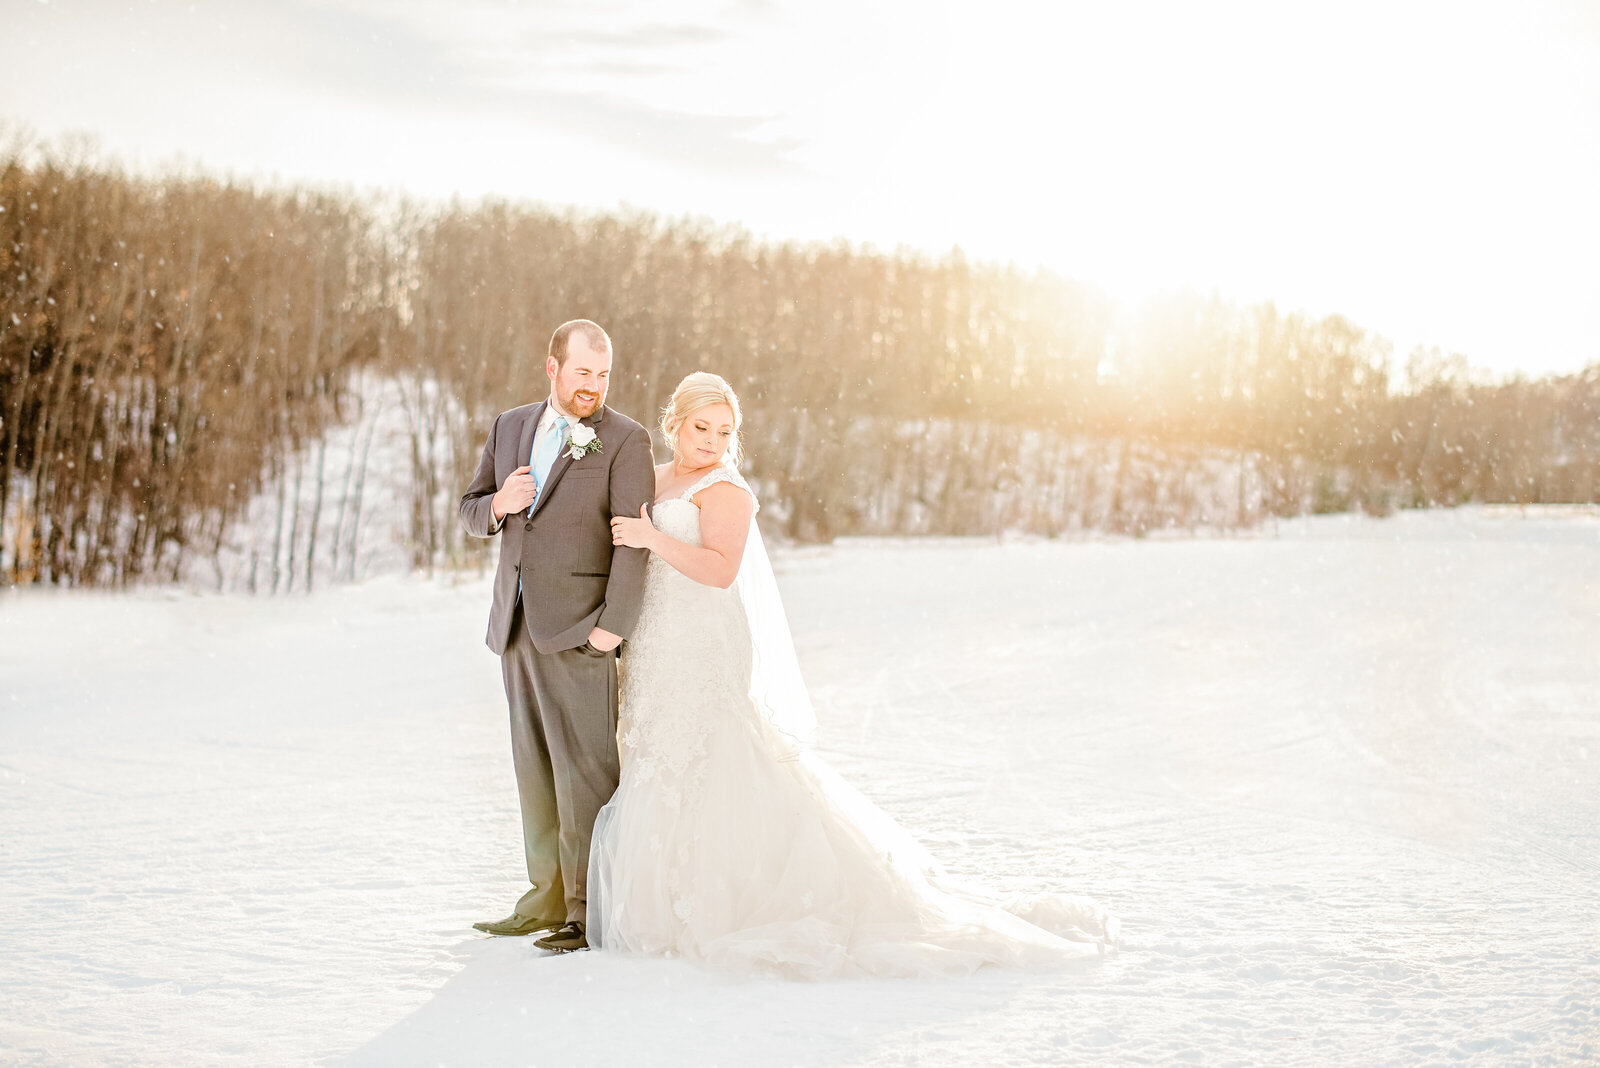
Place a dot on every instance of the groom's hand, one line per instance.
(517, 493)
(604, 640)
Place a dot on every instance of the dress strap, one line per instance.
(721, 473)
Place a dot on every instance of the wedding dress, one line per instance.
(730, 844)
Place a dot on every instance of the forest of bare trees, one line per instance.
(175, 353)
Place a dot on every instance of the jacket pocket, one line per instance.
(591, 574)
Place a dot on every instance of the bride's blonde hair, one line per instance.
(699, 390)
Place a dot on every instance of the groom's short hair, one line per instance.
(591, 331)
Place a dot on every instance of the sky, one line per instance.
(1426, 169)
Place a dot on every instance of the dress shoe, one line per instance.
(515, 925)
(564, 939)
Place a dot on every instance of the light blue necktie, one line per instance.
(545, 458)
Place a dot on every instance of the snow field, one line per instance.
(1342, 785)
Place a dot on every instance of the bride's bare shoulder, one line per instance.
(726, 495)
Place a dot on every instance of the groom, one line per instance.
(552, 476)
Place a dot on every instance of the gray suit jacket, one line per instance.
(572, 578)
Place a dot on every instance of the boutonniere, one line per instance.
(583, 442)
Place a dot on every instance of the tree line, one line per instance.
(176, 353)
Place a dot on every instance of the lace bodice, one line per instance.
(682, 644)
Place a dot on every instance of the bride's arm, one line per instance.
(725, 513)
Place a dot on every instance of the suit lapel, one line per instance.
(525, 439)
(563, 461)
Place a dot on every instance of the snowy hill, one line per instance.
(1342, 784)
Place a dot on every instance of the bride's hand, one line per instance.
(634, 533)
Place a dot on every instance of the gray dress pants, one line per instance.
(564, 749)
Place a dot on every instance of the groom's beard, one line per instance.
(577, 404)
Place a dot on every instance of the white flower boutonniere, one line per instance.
(583, 442)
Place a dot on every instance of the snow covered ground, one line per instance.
(1342, 784)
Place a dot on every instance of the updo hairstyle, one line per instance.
(699, 390)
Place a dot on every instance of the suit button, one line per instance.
(528, 525)
(516, 567)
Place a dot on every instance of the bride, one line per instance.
(728, 842)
